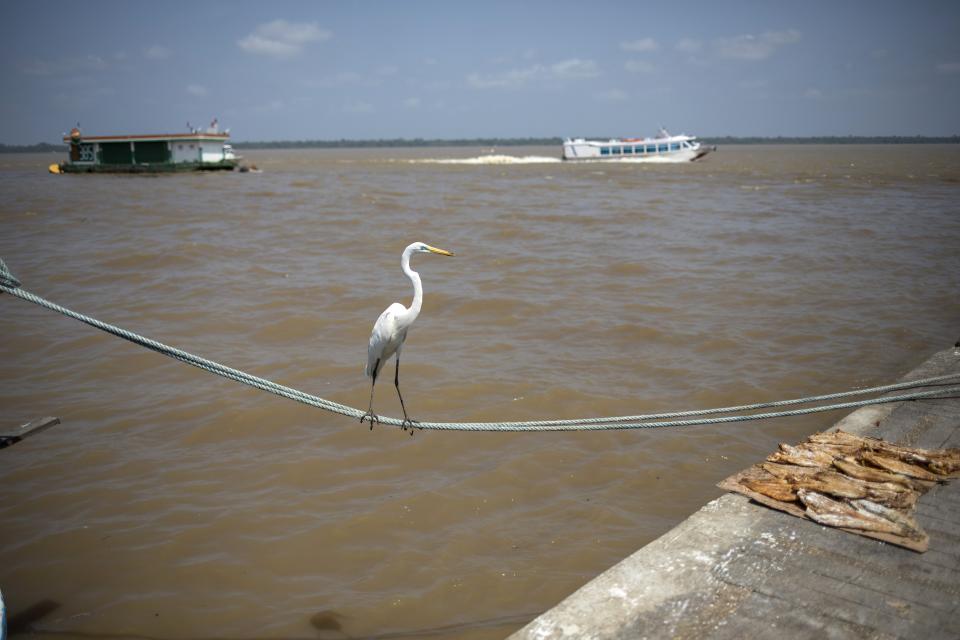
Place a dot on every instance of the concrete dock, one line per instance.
(736, 569)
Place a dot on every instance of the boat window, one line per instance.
(604, 151)
(628, 149)
(661, 147)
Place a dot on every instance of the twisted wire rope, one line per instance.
(10, 285)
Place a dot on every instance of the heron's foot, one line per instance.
(372, 417)
(407, 422)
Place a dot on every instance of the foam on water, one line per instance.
(500, 159)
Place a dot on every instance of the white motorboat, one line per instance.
(663, 148)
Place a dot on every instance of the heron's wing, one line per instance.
(386, 337)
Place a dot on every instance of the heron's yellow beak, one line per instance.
(439, 251)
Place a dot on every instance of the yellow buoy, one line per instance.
(54, 168)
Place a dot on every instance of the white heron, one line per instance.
(390, 331)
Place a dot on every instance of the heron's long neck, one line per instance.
(414, 309)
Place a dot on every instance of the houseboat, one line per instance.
(197, 150)
(663, 148)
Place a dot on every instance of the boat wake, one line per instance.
(489, 159)
(511, 160)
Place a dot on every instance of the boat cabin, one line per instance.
(197, 150)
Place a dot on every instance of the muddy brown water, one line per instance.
(174, 504)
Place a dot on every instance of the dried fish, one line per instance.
(837, 442)
(912, 456)
(887, 493)
(946, 464)
(833, 483)
(895, 499)
(898, 466)
(939, 461)
(801, 455)
(852, 482)
(890, 494)
(772, 488)
(838, 514)
(853, 468)
(787, 470)
(837, 438)
(821, 504)
(911, 527)
(836, 450)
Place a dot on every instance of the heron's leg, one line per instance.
(370, 414)
(396, 383)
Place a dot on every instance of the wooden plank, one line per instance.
(34, 427)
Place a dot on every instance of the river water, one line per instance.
(171, 503)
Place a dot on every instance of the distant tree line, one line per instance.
(527, 142)
(31, 148)
(400, 142)
(833, 140)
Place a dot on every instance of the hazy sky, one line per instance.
(448, 69)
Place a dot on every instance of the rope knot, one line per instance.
(7, 279)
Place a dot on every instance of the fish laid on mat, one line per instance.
(801, 455)
(837, 450)
(838, 442)
(787, 470)
(836, 484)
(892, 515)
(785, 480)
(899, 466)
(947, 464)
(853, 468)
(907, 454)
(891, 494)
(894, 499)
(837, 438)
(772, 488)
(939, 461)
(860, 484)
(833, 483)
(832, 513)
